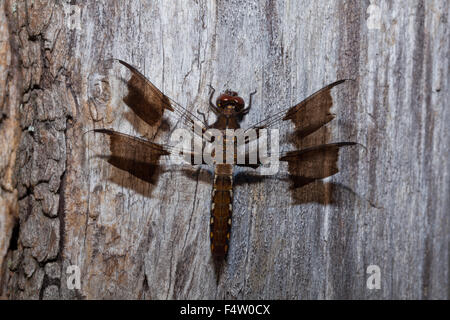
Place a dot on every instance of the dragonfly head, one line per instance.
(229, 100)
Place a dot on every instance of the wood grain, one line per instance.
(388, 206)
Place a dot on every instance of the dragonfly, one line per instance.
(142, 157)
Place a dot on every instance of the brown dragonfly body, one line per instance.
(229, 109)
(221, 209)
(140, 157)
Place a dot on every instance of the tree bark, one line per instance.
(62, 206)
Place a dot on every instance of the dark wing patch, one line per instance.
(310, 164)
(146, 100)
(149, 103)
(137, 156)
(308, 115)
(313, 112)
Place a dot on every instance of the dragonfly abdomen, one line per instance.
(221, 210)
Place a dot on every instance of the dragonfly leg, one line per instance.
(211, 103)
(204, 116)
(246, 110)
(250, 99)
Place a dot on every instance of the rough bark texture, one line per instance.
(389, 205)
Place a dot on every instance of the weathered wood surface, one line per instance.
(389, 206)
(9, 136)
